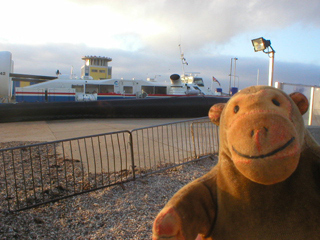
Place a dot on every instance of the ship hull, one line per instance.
(174, 107)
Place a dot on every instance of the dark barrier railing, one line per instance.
(40, 173)
(160, 147)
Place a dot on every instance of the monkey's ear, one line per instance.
(215, 113)
(301, 101)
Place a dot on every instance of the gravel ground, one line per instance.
(119, 212)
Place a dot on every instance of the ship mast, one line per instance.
(183, 60)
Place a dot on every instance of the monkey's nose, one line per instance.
(259, 132)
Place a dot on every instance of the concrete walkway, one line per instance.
(45, 131)
(63, 129)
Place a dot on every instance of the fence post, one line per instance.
(311, 106)
(193, 140)
(132, 156)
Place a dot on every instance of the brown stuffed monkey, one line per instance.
(266, 184)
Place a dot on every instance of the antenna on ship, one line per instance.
(183, 60)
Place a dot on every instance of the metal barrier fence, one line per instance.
(41, 173)
(157, 148)
(312, 116)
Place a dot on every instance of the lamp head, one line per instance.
(260, 44)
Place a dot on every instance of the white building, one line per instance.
(6, 68)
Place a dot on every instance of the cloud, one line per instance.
(156, 26)
(142, 38)
(46, 59)
(297, 73)
(210, 22)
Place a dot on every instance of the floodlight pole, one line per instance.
(261, 44)
(271, 66)
(230, 76)
(234, 74)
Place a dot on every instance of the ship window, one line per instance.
(199, 82)
(102, 71)
(148, 89)
(79, 88)
(92, 88)
(160, 90)
(94, 70)
(106, 88)
(128, 89)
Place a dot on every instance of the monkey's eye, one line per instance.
(276, 102)
(236, 109)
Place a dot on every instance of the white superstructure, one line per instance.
(6, 67)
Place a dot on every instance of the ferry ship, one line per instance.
(63, 89)
(96, 83)
(35, 97)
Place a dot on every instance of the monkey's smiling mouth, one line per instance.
(265, 155)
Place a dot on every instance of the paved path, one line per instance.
(63, 129)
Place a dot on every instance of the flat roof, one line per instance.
(97, 57)
(31, 78)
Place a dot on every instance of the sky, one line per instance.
(142, 37)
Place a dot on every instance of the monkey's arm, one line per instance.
(191, 211)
